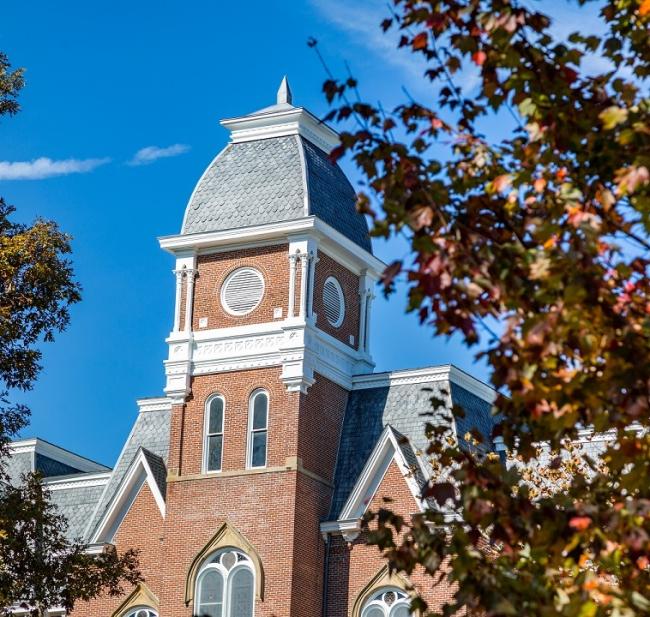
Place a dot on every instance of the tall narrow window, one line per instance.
(213, 445)
(258, 428)
(226, 586)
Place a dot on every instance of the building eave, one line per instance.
(357, 258)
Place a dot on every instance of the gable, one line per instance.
(394, 487)
(146, 468)
(136, 527)
(392, 450)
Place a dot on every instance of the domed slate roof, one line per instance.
(273, 179)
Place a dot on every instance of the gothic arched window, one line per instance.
(258, 425)
(213, 431)
(142, 611)
(225, 586)
(387, 602)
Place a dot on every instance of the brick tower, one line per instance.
(244, 485)
(273, 290)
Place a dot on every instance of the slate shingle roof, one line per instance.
(274, 180)
(407, 409)
(49, 467)
(151, 433)
(158, 469)
(17, 465)
(77, 505)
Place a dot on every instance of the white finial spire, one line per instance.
(284, 92)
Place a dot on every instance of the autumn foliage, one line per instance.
(534, 245)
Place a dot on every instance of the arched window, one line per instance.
(225, 586)
(387, 602)
(258, 424)
(142, 611)
(213, 441)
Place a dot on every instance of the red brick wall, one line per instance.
(271, 261)
(321, 420)
(261, 506)
(352, 566)
(142, 529)
(236, 388)
(349, 282)
(312, 503)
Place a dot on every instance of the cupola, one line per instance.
(276, 168)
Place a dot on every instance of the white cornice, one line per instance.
(84, 480)
(45, 448)
(160, 403)
(333, 242)
(296, 345)
(444, 372)
(349, 529)
(281, 123)
(471, 384)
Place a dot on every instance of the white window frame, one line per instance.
(207, 434)
(133, 611)
(222, 293)
(339, 322)
(227, 575)
(375, 600)
(251, 432)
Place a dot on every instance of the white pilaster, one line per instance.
(366, 336)
(177, 304)
(304, 275)
(190, 273)
(366, 296)
(305, 250)
(363, 297)
(293, 258)
(310, 287)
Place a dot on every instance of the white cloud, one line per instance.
(47, 168)
(361, 21)
(147, 155)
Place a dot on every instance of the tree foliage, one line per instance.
(545, 232)
(11, 82)
(37, 286)
(41, 569)
(40, 566)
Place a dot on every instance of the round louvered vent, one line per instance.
(334, 302)
(242, 291)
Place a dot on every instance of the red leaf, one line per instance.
(420, 41)
(580, 523)
(479, 57)
(337, 153)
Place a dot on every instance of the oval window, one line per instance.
(334, 302)
(242, 291)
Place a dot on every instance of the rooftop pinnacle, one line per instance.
(284, 92)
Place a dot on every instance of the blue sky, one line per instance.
(124, 99)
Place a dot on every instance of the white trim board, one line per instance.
(431, 374)
(61, 455)
(386, 451)
(82, 480)
(335, 244)
(138, 473)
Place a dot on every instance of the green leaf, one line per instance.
(613, 116)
